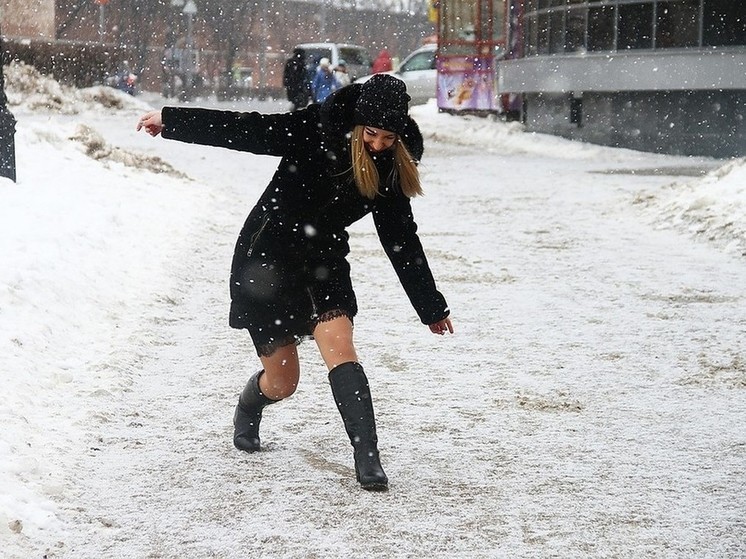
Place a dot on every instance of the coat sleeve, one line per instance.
(263, 134)
(397, 232)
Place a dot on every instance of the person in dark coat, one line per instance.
(353, 155)
(294, 79)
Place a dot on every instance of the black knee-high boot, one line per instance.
(352, 395)
(249, 414)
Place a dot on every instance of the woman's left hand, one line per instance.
(442, 326)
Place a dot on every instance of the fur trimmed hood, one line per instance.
(337, 115)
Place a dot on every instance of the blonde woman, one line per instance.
(354, 154)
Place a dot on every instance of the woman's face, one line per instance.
(377, 140)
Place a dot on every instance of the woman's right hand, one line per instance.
(151, 122)
(442, 326)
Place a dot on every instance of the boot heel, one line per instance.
(368, 471)
(246, 432)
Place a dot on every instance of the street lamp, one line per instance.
(172, 65)
(189, 9)
(101, 19)
(7, 126)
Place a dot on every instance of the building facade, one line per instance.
(257, 38)
(27, 18)
(656, 75)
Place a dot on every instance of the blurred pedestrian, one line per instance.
(126, 79)
(294, 79)
(382, 63)
(340, 73)
(324, 82)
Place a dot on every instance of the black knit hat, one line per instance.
(383, 103)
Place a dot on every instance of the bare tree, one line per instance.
(229, 22)
(138, 25)
(69, 17)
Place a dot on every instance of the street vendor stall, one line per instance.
(471, 38)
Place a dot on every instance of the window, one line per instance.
(556, 26)
(601, 28)
(543, 33)
(457, 21)
(575, 29)
(421, 61)
(313, 55)
(724, 23)
(635, 27)
(677, 24)
(533, 36)
(557, 31)
(463, 24)
(492, 28)
(355, 56)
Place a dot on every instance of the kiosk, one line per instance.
(471, 39)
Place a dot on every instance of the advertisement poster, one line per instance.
(466, 83)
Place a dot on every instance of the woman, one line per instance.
(355, 154)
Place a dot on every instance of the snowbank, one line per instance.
(711, 208)
(29, 90)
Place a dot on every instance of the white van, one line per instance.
(356, 58)
(419, 72)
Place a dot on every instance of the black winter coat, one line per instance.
(295, 81)
(289, 269)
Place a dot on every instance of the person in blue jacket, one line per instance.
(324, 82)
(353, 155)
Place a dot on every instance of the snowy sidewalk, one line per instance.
(590, 404)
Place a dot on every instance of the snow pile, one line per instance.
(96, 147)
(712, 208)
(82, 245)
(28, 89)
(495, 135)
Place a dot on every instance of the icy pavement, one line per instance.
(590, 404)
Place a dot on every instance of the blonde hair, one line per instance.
(366, 174)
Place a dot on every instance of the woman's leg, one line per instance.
(281, 373)
(276, 381)
(352, 396)
(334, 339)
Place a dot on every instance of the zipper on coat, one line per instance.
(255, 236)
(314, 308)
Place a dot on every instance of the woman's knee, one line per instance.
(278, 387)
(281, 373)
(334, 340)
